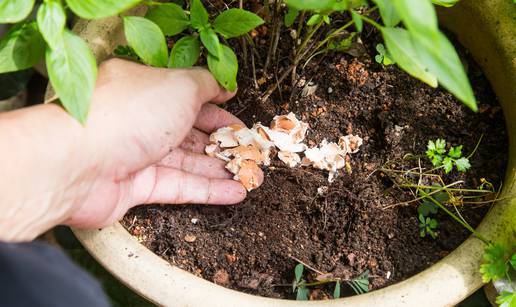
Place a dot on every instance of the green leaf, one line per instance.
(360, 284)
(388, 12)
(126, 52)
(440, 146)
(506, 299)
(12, 11)
(448, 164)
(445, 3)
(147, 40)
(236, 22)
(426, 208)
(302, 294)
(326, 19)
(170, 17)
(462, 164)
(432, 223)
(344, 44)
(402, 51)
(512, 261)
(95, 9)
(357, 20)
(494, 265)
(439, 55)
(72, 71)
(185, 52)
(198, 15)
(455, 152)
(314, 19)
(210, 40)
(378, 58)
(291, 16)
(21, 48)
(441, 197)
(225, 68)
(298, 272)
(417, 15)
(336, 291)
(321, 5)
(51, 22)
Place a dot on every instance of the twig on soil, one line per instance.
(276, 28)
(306, 265)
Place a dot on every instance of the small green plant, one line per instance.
(383, 56)
(499, 263)
(410, 32)
(300, 286)
(436, 152)
(71, 67)
(427, 226)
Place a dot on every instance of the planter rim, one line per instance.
(487, 28)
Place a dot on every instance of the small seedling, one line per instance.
(427, 226)
(436, 154)
(500, 264)
(383, 56)
(300, 286)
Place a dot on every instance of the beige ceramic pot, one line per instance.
(485, 27)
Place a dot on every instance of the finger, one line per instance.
(174, 186)
(212, 117)
(196, 164)
(195, 141)
(209, 89)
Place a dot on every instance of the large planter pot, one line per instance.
(485, 27)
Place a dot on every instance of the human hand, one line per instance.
(143, 143)
(148, 128)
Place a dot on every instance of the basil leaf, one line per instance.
(72, 71)
(291, 16)
(147, 40)
(12, 11)
(21, 48)
(210, 40)
(388, 12)
(321, 5)
(439, 55)
(185, 52)
(224, 68)
(417, 15)
(445, 3)
(402, 51)
(95, 9)
(236, 22)
(170, 17)
(198, 15)
(357, 20)
(51, 22)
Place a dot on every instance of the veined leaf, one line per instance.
(417, 15)
(357, 20)
(401, 49)
(439, 55)
(51, 22)
(95, 9)
(388, 12)
(185, 52)
(12, 11)
(198, 15)
(21, 48)
(72, 71)
(147, 40)
(291, 16)
(210, 40)
(236, 22)
(225, 68)
(170, 17)
(494, 265)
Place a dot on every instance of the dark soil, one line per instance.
(252, 246)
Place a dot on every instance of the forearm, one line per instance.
(35, 143)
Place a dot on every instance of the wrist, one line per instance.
(42, 168)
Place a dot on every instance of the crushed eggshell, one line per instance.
(244, 149)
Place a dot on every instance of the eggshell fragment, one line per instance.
(249, 152)
(289, 158)
(224, 137)
(351, 143)
(250, 175)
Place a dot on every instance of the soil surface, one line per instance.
(254, 246)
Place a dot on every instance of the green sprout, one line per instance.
(427, 226)
(383, 56)
(436, 153)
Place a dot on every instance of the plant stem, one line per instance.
(318, 283)
(370, 21)
(476, 147)
(442, 188)
(300, 50)
(462, 222)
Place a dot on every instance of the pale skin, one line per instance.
(143, 143)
